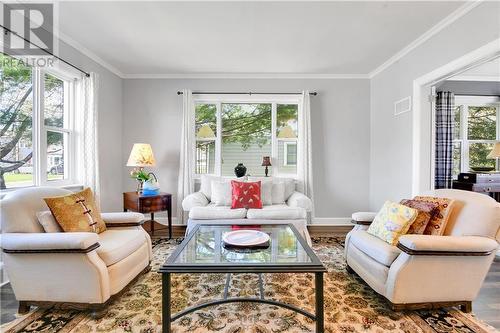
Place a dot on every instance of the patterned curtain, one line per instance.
(445, 115)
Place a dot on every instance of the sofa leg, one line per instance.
(466, 307)
(23, 308)
(349, 269)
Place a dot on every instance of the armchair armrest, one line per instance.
(298, 199)
(53, 242)
(447, 245)
(196, 199)
(363, 218)
(122, 219)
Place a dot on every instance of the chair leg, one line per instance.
(23, 308)
(98, 312)
(466, 307)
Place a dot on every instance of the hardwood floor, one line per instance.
(486, 307)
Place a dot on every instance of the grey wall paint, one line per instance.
(340, 132)
(490, 88)
(110, 127)
(391, 136)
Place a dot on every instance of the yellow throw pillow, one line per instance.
(392, 221)
(77, 212)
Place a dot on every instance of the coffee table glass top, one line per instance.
(203, 251)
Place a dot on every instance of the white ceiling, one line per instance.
(165, 38)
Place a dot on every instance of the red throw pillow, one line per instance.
(246, 195)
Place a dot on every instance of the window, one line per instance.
(36, 126)
(231, 130)
(477, 127)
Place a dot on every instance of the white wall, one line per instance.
(110, 127)
(391, 136)
(340, 126)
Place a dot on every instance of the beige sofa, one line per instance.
(81, 268)
(425, 271)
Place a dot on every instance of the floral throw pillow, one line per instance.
(246, 195)
(392, 221)
(426, 210)
(438, 221)
(77, 212)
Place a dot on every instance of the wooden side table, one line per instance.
(150, 204)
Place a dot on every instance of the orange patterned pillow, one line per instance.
(426, 210)
(77, 212)
(437, 224)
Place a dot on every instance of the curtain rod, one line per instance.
(314, 93)
(7, 31)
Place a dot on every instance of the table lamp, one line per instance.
(266, 161)
(141, 156)
(495, 153)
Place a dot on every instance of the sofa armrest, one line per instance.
(196, 199)
(363, 218)
(53, 242)
(298, 199)
(128, 219)
(447, 245)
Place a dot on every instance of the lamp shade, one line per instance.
(266, 161)
(141, 156)
(495, 152)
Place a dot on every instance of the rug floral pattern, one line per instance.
(350, 305)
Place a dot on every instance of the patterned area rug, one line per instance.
(350, 305)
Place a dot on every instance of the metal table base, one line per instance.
(168, 318)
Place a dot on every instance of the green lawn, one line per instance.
(16, 178)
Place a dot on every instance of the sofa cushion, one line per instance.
(119, 244)
(288, 183)
(206, 185)
(221, 192)
(374, 247)
(212, 211)
(277, 212)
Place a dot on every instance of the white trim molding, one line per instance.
(481, 55)
(247, 76)
(458, 13)
(479, 78)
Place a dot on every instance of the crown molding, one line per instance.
(245, 76)
(82, 49)
(458, 13)
(481, 78)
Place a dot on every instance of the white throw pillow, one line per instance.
(278, 193)
(206, 185)
(48, 222)
(266, 192)
(221, 192)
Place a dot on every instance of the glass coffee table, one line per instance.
(203, 252)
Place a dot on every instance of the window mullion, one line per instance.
(465, 140)
(274, 140)
(218, 140)
(40, 135)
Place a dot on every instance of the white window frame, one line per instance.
(464, 102)
(274, 100)
(39, 130)
(285, 151)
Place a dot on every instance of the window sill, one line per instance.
(71, 187)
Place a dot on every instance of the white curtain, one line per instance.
(87, 159)
(186, 165)
(304, 167)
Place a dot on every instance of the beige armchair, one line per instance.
(424, 271)
(75, 269)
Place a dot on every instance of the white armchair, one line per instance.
(425, 271)
(76, 269)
